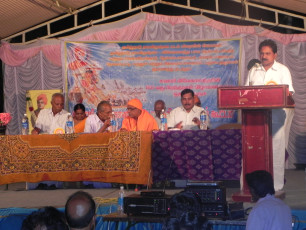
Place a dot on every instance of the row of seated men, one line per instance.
(186, 116)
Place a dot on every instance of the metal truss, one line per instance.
(152, 6)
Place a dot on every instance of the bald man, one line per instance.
(80, 211)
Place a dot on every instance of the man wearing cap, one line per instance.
(139, 119)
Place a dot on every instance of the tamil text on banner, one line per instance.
(118, 72)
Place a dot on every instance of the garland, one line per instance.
(5, 118)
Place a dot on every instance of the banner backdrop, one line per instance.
(149, 71)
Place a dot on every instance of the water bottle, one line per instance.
(69, 124)
(120, 200)
(163, 120)
(113, 123)
(203, 120)
(25, 125)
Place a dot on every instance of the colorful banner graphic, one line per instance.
(149, 71)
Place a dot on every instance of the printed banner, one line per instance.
(118, 72)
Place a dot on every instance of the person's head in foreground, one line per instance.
(80, 211)
(186, 213)
(48, 218)
(260, 183)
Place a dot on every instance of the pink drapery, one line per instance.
(13, 56)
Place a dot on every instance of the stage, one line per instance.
(16, 200)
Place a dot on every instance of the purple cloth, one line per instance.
(197, 155)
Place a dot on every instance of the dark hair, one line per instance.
(85, 220)
(186, 212)
(184, 202)
(79, 106)
(269, 43)
(185, 91)
(49, 217)
(261, 182)
(100, 105)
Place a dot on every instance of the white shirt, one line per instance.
(93, 124)
(270, 213)
(180, 114)
(157, 119)
(47, 122)
(277, 74)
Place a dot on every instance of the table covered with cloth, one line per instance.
(202, 155)
(121, 157)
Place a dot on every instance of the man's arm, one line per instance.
(35, 131)
(104, 127)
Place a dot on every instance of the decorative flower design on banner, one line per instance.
(5, 118)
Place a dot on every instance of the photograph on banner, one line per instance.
(36, 101)
(120, 71)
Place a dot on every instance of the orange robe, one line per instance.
(79, 128)
(145, 122)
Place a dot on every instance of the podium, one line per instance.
(256, 103)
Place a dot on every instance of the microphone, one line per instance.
(253, 63)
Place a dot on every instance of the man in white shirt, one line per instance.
(270, 72)
(269, 212)
(52, 120)
(100, 121)
(159, 105)
(187, 116)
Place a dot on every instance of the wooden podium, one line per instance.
(256, 103)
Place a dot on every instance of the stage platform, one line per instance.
(16, 199)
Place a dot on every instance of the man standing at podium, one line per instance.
(271, 72)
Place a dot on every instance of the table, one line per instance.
(131, 221)
(121, 157)
(197, 155)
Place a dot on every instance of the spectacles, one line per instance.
(130, 109)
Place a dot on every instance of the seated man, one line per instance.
(269, 213)
(80, 211)
(52, 120)
(139, 119)
(186, 116)
(159, 105)
(100, 121)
